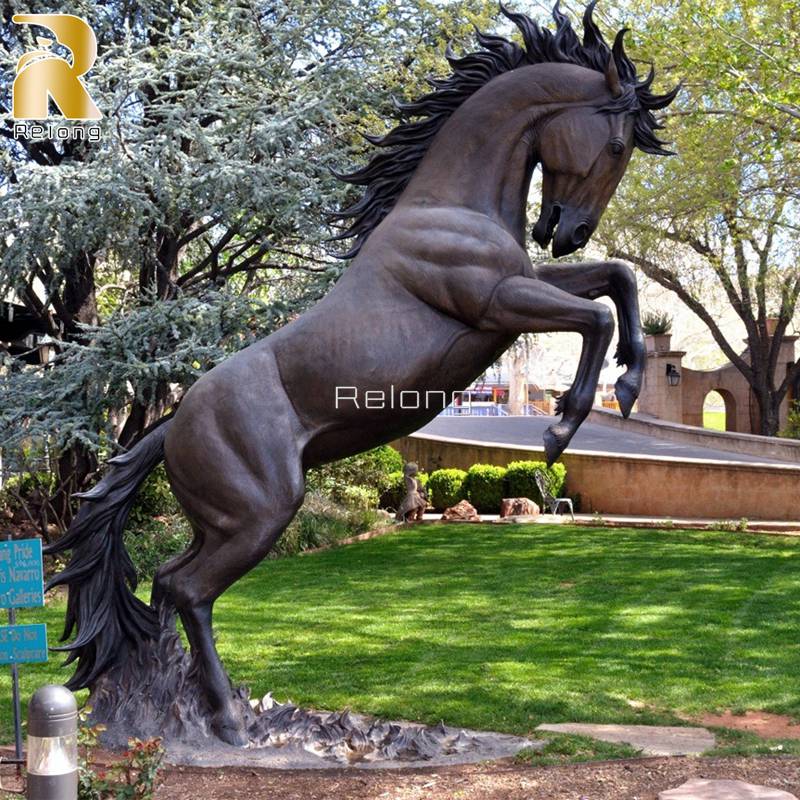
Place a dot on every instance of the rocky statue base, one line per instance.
(158, 694)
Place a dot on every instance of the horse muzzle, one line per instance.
(568, 228)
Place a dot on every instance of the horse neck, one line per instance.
(484, 156)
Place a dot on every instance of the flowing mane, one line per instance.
(388, 172)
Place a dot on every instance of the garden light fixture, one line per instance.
(673, 376)
(52, 745)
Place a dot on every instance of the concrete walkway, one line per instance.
(591, 437)
(702, 789)
(652, 740)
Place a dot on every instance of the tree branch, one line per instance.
(670, 281)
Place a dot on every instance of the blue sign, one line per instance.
(23, 643)
(21, 574)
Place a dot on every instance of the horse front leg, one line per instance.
(525, 305)
(614, 279)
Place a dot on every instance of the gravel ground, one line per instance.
(640, 779)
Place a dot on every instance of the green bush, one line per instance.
(370, 469)
(356, 498)
(446, 487)
(385, 459)
(155, 497)
(151, 541)
(792, 429)
(157, 530)
(133, 776)
(485, 487)
(321, 522)
(521, 481)
(395, 489)
(20, 489)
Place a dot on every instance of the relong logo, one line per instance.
(42, 75)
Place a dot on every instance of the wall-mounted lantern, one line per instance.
(673, 376)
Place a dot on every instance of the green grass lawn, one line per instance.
(714, 420)
(503, 627)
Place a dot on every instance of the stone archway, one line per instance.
(682, 400)
(729, 402)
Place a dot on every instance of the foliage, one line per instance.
(521, 479)
(717, 225)
(489, 628)
(320, 522)
(133, 777)
(485, 487)
(371, 469)
(446, 487)
(155, 497)
(392, 496)
(792, 429)
(25, 498)
(198, 222)
(656, 324)
(77, 401)
(151, 541)
(739, 525)
(357, 498)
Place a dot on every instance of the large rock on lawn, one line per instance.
(461, 512)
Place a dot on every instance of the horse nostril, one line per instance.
(555, 215)
(581, 234)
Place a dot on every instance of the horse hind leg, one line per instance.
(232, 535)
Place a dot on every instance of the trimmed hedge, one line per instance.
(446, 487)
(485, 487)
(521, 482)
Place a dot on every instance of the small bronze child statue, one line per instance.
(416, 500)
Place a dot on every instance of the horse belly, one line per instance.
(382, 396)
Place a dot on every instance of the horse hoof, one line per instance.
(230, 729)
(626, 396)
(556, 438)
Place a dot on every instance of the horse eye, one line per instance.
(617, 146)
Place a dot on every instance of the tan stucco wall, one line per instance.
(684, 403)
(763, 447)
(638, 485)
(657, 398)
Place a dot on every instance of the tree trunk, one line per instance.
(76, 463)
(771, 421)
(767, 422)
(517, 385)
(74, 467)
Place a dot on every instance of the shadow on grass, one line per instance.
(500, 627)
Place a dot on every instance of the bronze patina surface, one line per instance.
(439, 286)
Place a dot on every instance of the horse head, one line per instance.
(583, 151)
(583, 156)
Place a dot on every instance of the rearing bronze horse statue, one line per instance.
(440, 285)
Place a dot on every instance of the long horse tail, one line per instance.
(102, 608)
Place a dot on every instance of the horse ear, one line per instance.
(612, 77)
